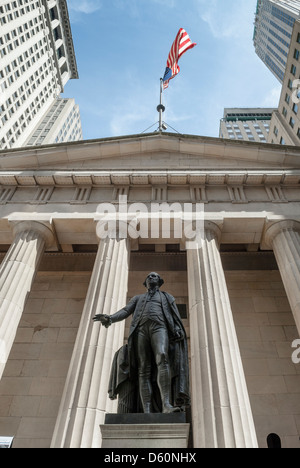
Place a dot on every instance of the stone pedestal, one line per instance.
(157, 431)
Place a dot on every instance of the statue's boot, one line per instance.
(146, 394)
(167, 409)
(164, 383)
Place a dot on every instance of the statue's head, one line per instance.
(153, 279)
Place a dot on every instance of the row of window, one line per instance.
(291, 106)
(19, 36)
(76, 133)
(21, 64)
(9, 12)
(278, 38)
(282, 30)
(72, 123)
(7, 7)
(27, 116)
(25, 91)
(280, 49)
(274, 53)
(234, 131)
(274, 67)
(282, 16)
(292, 124)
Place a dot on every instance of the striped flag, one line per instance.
(181, 44)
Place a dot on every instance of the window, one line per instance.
(293, 70)
(295, 108)
(296, 54)
(282, 142)
(292, 122)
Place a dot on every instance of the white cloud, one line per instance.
(85, 6)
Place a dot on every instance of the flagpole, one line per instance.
(161, 108)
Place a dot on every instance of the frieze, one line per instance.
(80, 187)
(197, 194)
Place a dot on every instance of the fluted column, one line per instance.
(85, 399)
(220, 403)
(17, 272)
(284, 238)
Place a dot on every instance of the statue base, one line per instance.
(140, 430)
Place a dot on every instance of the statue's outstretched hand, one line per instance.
(104, 319)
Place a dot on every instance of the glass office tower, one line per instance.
(274, 22)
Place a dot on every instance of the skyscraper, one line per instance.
(60, 124)
(285, 123)
(274, 21)
(37, 59)
(249, 124)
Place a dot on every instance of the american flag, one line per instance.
(181, 44)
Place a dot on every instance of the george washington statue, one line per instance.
(150, 374)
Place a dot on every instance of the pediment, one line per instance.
(153, 152)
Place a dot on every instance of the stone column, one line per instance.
(85, 399)
(284, 238)
(17, 272)
(221, 412)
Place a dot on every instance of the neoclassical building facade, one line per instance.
(82, 224)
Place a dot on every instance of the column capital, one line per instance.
(278, 227)
(214, 229)
(204, 231)
(40, 228)
(112, 228)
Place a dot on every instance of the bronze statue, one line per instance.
(150, 374)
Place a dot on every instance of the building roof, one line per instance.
(163, 150)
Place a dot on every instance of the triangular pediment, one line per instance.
(156, 151)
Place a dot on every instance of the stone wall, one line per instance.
(33, 381)
(266, 329)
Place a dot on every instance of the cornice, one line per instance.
(98, 178)
(68, 38)
(237, 153)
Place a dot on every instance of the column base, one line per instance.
(141, 430)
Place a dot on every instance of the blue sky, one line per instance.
(122, 47)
